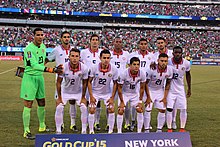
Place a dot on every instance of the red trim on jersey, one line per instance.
(166, 51)
(133, 76)
(93, 51)
(161, 70)
(117, 53)
(104, 70)
(75, 70)
(146, 53)
(66, 49)
(175, 63)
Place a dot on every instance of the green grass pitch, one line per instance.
(203, 107)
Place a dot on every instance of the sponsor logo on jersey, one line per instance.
(29, 54)
(88, 56)
(61, 54)
(183, 68)
(96, 75)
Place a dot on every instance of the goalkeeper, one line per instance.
(32, 86)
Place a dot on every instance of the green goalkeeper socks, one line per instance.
(26, 118)
(41, 116)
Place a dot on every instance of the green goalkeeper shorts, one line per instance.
(32, 87)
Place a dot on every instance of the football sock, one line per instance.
(59, 117)
(72, 112)
(26, 118)
(147, 119)
(41, 116)
(140, 119)
(111, 121)
(160, 120)
(83, 110)
(119, 123)
(91, 120)
(183, 118)
(169, 119)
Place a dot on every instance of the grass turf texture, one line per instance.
(203, 107)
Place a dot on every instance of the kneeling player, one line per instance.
(155, 81)
(100, 78)
(74, 74)
(129, 80)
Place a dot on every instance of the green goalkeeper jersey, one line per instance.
(34, 58)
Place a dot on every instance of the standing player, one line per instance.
(155, 80)
(90, 57)
(120, 60)
(34, 57)
(100, 78)
(60, 55)
(146, 58)
(75, 74)
(177, 97)
(162, 48)
(161, 44)
(128, 92)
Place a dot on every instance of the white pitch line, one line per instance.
(7, 71)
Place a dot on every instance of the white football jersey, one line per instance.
(120, 61)
(72, 81)
(158, 78)
(90, 58)
(179, 70)
(130, 83)
(168, 52)
(145, 60)
(101, 80)
(59, 55)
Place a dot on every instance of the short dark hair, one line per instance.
(161, 38)
(74, 50)
(37, 29)
(178, 47)
(133, 59)
(163, 55)
(142, 39)
(64, 32)
(105, 52)
(94, 35)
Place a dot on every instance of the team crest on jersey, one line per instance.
(66, 74)
(96, 75)
(61, 54)
(43, 50)
(127, 82)
(183, 68)
(149, 58)
(109, 75)
(88, 56)
(80, 75)
(124, 58)
(29, 54)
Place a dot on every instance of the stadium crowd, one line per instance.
(117, 7)
(191, 40)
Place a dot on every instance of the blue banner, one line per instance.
(211, 56)
(107, 14)
(164, 139)
(18, 49)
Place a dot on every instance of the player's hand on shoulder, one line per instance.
(59, 69)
